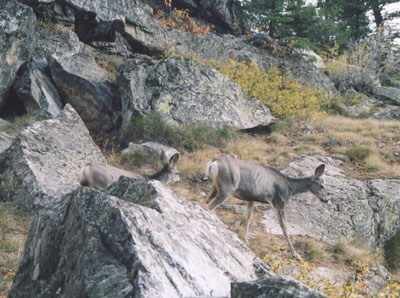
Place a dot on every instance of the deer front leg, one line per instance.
(281, 218)
(250, 205)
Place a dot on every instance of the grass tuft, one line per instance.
(188, 137)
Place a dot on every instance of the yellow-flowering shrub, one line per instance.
(284, 97)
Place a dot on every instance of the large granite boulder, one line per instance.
(365, 210)
(43, 162)
(185, 91)
(148, 242)
(81, 83)
(17, 40)
(36, 90)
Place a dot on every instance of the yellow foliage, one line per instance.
(284, 97)
(181, 20)
(353, 288)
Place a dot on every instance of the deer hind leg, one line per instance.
(281, 218)
(250, 205)
(212, 194)
(223, 194)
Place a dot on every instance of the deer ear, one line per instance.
(319, 171)
(174, 159)
(164, 158)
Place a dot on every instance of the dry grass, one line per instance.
(14, 227)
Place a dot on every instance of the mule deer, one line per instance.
(256, 183)
(100, 176)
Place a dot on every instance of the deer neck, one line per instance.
(299, 185)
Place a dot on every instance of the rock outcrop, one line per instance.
(43, 162)
(152, 149)
(113, 247)
(185, 91)
(388, 94)
(226, 15)
(17, 40)
(36, 90)
(81, 83)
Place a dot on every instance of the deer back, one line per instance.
(100, 176)
(249, 181)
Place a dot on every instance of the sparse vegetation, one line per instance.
(180, 19)
(50, 26)
(312, 252)
(18, 121)
(188, 137)
(392, 252)
(358, 153)
(109, 65)
(14, 226)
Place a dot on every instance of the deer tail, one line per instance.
(212, 170)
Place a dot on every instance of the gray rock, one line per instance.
(51, 11)
(3, 123)
(384, 200)
(43, 162)
(63, 43)
(81, 83)
(379, 277)
(277, 287)
(17, 40)
(109, 247)
(366, 210)
(388, 94)
(100, 20)
(227, 16)
(185, 91)
(36, 90)
(365, 108)
(152, 148)
(389, 113)
(5, 141)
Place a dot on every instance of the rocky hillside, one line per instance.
(85, 70)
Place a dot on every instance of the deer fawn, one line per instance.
(256, 183)
(100, 176)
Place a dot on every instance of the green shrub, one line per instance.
(392, 252)
(338, 249)
(189, 137)
(358, 153)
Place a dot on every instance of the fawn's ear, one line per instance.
(319, 171)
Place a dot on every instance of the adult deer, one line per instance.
(99, 176)
(256, 183)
